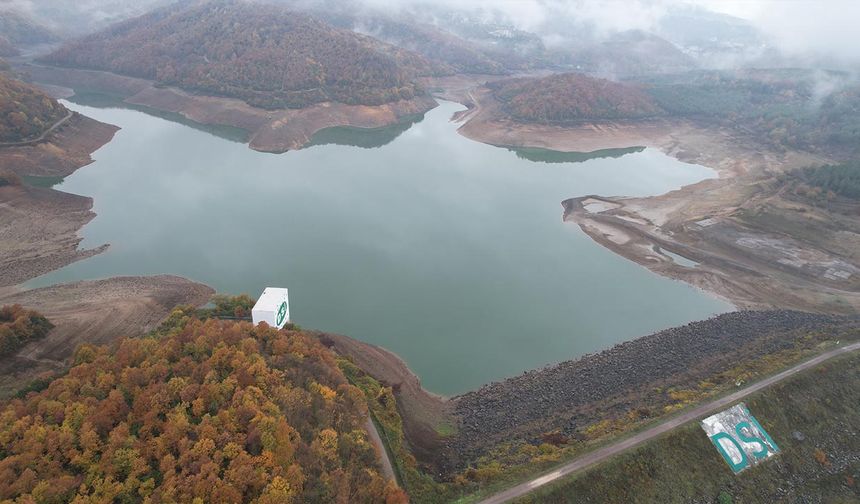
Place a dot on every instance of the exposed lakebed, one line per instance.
(449, 252)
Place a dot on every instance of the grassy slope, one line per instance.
(683, 466)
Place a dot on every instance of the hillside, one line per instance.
(449, 53)
(813, 419)
(25, 112)
(262, 54)
(632, 53)
(798, 108)
(199, 410)
(20, 30)
(572, 97)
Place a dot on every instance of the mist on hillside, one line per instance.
(760, 33)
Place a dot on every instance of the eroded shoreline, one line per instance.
(712, 222)
(273, 131)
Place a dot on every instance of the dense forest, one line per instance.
(25, 112)
(199, 411)
(263, 54)
(572, 97)
(17, 325)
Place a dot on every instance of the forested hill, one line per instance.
(263, 54)
(200, 411)
(25, 112)
(572, 97)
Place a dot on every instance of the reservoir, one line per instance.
(448, 252)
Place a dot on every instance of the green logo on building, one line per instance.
(282, 314)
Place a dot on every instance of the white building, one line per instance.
(273, 307)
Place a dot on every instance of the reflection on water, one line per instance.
(451, 253)
(366, 138)
(550, 156)
(35, 181)
(103, 100)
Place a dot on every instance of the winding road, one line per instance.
(611, 450)
(42, 136)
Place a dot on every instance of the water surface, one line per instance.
(451, 253)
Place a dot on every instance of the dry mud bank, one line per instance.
(38, 226)
(273, 131)
(737, 235)
(96, 312)
(39, 231)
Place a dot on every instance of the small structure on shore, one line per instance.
(273, 307)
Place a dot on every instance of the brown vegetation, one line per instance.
(572, 97)
(265, 55)
(19, 326)
(25, 112)
(208, 410)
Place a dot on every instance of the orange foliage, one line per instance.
(263, 54)
(25, 112)
(211, 410)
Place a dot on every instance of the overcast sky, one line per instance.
(809, 28)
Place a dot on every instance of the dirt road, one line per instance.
(625, 444)
(387, 468)
(43, 135)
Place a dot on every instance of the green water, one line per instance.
(451, 253)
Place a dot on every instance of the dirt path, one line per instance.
(424, 414)
(606, 452)
(43, 135)
(62, 151)
(387, 468)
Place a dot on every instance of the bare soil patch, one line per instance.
(96, 312)
(39, 231)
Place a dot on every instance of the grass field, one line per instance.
(814, 417)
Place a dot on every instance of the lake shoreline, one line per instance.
(271, 131)
(553, 398)
(638, 228)
(41, 225)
